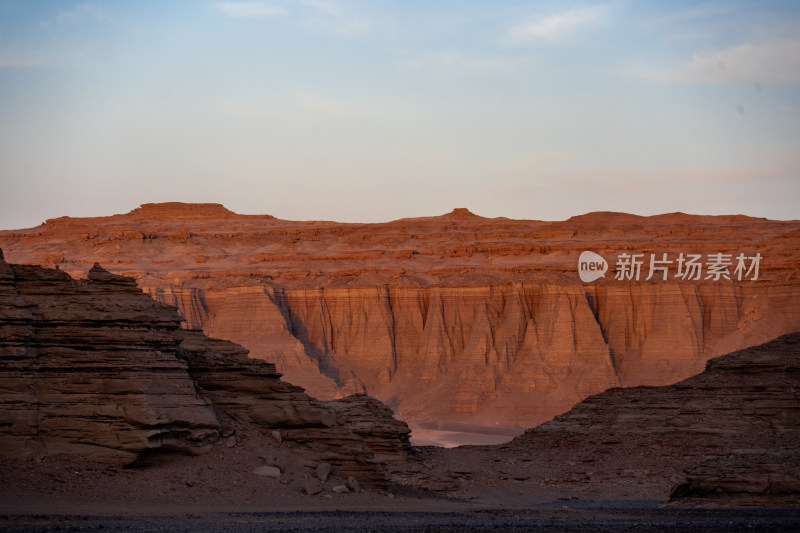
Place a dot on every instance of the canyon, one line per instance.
(105, 398)
(728, 436)
(468, 328)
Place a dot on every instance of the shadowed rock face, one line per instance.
(734, 429)
(457, 318)
(95, 367)
(91, 367)
(729, 435)
(745, 395)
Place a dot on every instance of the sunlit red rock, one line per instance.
(456, 319)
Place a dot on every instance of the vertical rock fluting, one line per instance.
(512, 353)
(455, 317)
(499, 354)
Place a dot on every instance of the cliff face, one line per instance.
(515, 353)
(94, 367)
(446, 319)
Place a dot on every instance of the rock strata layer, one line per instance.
(729, 436)
(450, 319)
(734, 429)
(95, 367)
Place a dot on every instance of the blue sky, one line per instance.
(375, 110)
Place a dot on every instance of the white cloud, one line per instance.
(772, 63)
(556, 27)
(249, 10)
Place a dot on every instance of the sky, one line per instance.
(373, 110)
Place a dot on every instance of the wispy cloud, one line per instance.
(557, 26)
(770, 63)
(320, 16)
(65, 39)
(324, 16)
(79, 16)
(250, 10)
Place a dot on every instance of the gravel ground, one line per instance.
(578, 516)
(460, 490)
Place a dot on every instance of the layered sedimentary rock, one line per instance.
(455, 318)
(729, 435)
(95, 367)
(743, 477)
(90, 367)
(734, 429)
(357, 435)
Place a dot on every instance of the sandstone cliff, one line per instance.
(94, 367)
(451, 319)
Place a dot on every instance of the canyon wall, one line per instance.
(512, 354)
(451, 320)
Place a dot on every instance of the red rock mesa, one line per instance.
(454, 321)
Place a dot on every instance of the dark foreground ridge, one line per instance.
(734, 429)
(95, 368)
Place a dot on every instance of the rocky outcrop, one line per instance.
(373, 422)
(94, 367)
(733, 430)
(90, 367)
(456, 318)
(357, 435)
(744, 477)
